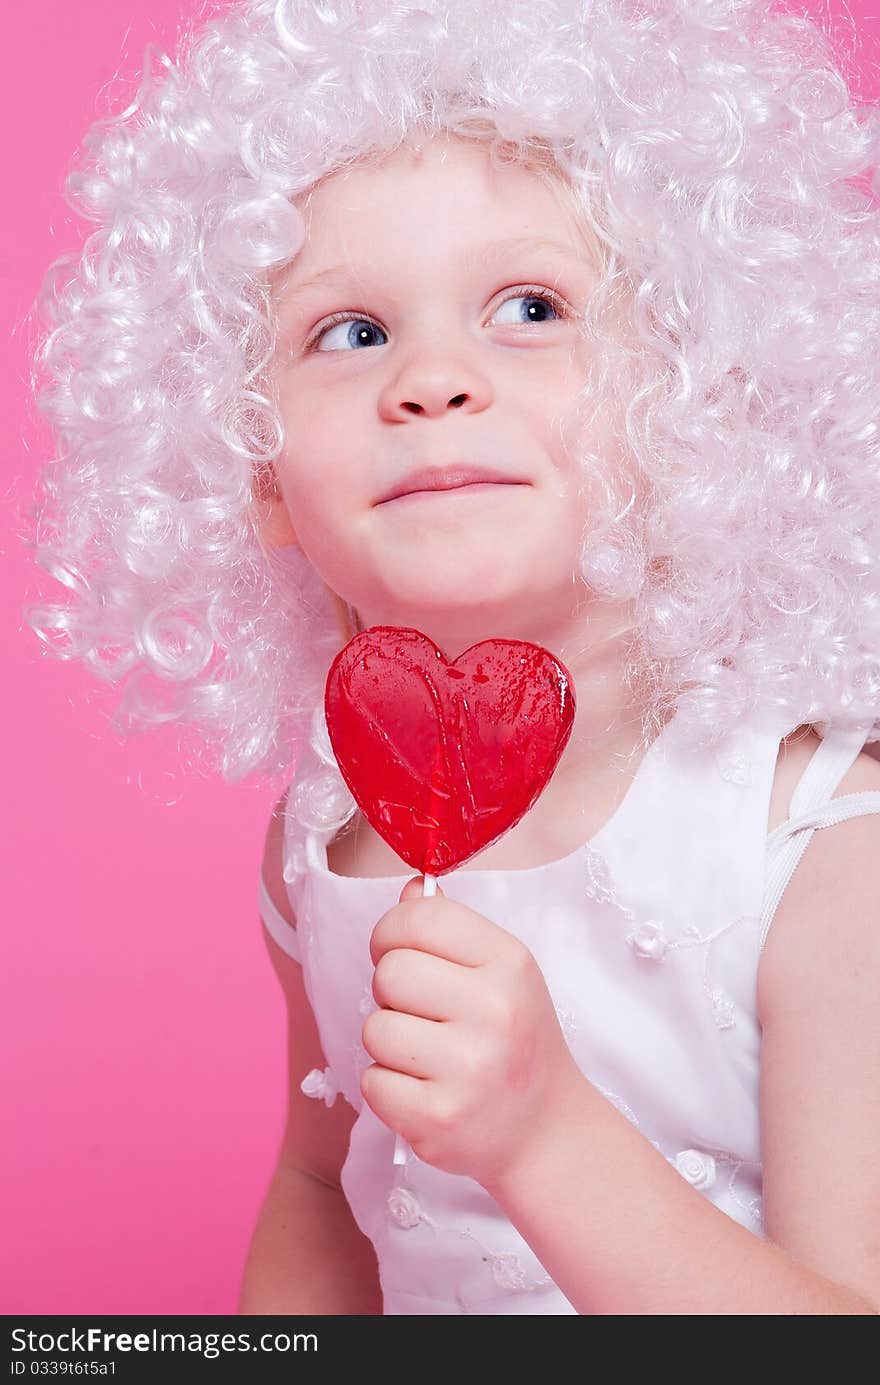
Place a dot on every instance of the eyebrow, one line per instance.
(474, 258)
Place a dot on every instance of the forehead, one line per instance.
(433, 190)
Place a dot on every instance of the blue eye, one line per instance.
(358, 332)
(538, 308)
(346, 331)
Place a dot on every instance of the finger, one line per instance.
(442, 927)
(415, 889)
(419, 983)
(397, 1099)
(403, 1043)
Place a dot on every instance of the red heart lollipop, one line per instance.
(443, 758)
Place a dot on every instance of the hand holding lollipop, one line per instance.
(443, 758)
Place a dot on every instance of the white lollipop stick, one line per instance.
(402, 1150)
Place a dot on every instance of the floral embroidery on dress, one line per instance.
(700, 1168)
(620, 1105)
(736, 768)
(321, 1084)
(508, 1270)
(598, 877)
(649, 940)
(754, 1207)
(696, 1167)
(722, 1010)
(566, 1022)
(648, 937)
(404, 1208)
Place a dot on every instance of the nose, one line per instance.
(432, 385)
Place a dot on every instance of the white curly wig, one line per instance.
(715, 150)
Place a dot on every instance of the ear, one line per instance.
(272, 520)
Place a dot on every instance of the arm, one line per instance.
(307, 1253)
(618, 1228)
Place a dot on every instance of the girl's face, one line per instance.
(430, 321)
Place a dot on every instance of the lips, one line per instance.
(447, 478)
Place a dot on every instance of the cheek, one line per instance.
(324, 469)
(322, 425)
(324, 535)
(558, 402)
(318, 472)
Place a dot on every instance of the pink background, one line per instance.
(143, 1062)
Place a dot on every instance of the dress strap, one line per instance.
(277, 926)
(812, 807)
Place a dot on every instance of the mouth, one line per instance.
(435, 481)
(451, 492)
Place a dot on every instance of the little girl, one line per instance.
(540, 321)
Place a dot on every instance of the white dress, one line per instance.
(649, 938)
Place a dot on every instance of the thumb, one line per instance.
(415, 888)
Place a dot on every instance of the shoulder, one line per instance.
(795, 752)
(830, 886)
(820, 1041)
